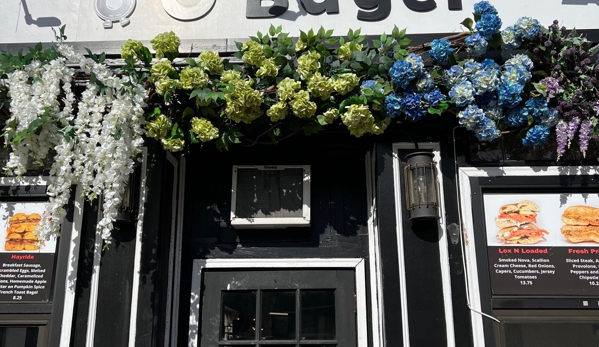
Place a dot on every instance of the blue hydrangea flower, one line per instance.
(489, 63)
(493, 111)
(510, 38)
(412, 106)
(440, 51)
(483, 7)
(462, 93)
(516, 117)
(453, 76)
(510, 94)
(527, 27)
(516, 74)
(520, 60)
(393, 105)
(477, 45)
(551, 118)
(425, 83)
(434, 98)
(471, 117)
(402, 73)
(485, 81)
(471, 66)
(536, 135)
(488, 24)
(368, 84)
(417, 63)
(487, 131)
(537, 108)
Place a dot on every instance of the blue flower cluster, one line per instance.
(526, 28)
(476, 45)
(434, 97)
(404, 71)
(408, 103)
(441, 51)
(483, 7)
(474, 119)
(515, 76)
(488, 25)
(536, 135)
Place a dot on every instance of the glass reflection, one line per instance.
(318, 315)
(278, 315)
(238, 315)
(551, 334)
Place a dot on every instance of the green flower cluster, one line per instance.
(210, 61)
(346, 82)
(230, 77)
(173, 145)
(268, 68)
(159, 75)
(165, 43)
(346, 50)
(252, 53)
(204, 129)
(277, 111)
(330, 115)
(159, 127)
(243, 104)
(130, 48)
(358, 120)
(320, 86)
(308, 64)
(287, 87)
(300, 45)
(193, 78)
(301, 106)
(379, 127)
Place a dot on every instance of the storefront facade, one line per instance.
(201, 261)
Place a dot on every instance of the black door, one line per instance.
(279, 308)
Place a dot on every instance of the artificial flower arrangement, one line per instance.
(279, 87)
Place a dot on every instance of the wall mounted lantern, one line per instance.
(422, 196)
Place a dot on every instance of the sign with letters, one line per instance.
(543, 244)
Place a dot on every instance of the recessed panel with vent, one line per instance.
(270, 196)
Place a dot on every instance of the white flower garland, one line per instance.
(107, 133)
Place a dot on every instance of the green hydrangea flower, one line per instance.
(330, 115)
(211, 61)
(167, 85)
(346, 82)
(358, 119)
(300, 45)
(173, 145)
(193, 78)
(277, 111)
(308, 64)
(287, 87)
(204, 129)
(160, 70)
(379, 127)
(301, 106)
(252, 53)
(166, 43)
(346, 50)
(159, 127)
(268, 69)
(230, 76)
(129, 49)
(320, 86)
(243, 104)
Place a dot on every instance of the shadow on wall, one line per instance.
(580, 2)
(40, 21)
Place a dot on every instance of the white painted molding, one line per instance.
(94, 283)
(464, 176)
(200, 264)
(443, 243)
(374, 255)
(143, 191)
(178, 251)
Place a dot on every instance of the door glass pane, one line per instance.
(551, 334)
(318, 315)
(18, 336)
(238, 315)
(278, 315)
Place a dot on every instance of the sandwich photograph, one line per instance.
(544, 220)
(18, 228)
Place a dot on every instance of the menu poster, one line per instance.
(26, 261)
(543, 244)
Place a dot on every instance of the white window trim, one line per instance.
(464, 176)
(443, 244)
(200, 264)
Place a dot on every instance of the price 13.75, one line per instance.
(526, 283)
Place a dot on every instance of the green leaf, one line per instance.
(191, 62)
(468, 23)
(239, 45)
(267, 51)
(188, 112)
(321, 121)
(192, 137)
(331, 41)
(303, 36)
(272, 30)
(350, 35)
(312, 129)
